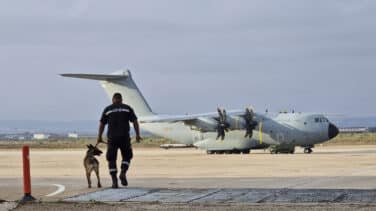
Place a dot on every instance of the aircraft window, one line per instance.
(321, 119)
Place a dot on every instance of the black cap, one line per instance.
(117, 95)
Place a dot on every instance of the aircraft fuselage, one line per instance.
(297, 129)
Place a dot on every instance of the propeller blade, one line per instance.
(222, 126)
(250, 124)
(220, 115)
(260, 132)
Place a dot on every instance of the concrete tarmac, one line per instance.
(214, 196)
(334, 167)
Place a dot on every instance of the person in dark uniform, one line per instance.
(117, 116)
(221, 129)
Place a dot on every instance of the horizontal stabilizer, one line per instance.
(100, 77)
(120, 82)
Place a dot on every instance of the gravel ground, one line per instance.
(188, 207)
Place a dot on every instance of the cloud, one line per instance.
(188, 56)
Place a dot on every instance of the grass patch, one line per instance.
(353, 139)
(74, 143)
(150, 142)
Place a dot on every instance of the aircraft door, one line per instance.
(197, 136)
(283, 137)
(280, 137)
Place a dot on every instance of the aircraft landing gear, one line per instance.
(209, 152)
(308, 150)
(228, 152)
(235, 151)
(282, 149)
(246, 151)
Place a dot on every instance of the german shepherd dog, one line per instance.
(92, 164)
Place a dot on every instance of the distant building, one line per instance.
(72, 135)
(10, 137)
(354, 130)
(372, 129)
(40, 136)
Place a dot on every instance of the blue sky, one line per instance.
(188, 56)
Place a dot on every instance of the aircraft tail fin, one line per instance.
(122, 82)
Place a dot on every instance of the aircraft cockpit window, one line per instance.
(321, 119)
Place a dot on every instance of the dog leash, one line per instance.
(100, 142)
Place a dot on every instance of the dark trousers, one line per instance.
(114, 144)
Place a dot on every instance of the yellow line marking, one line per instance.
(260, 132)
(236, 122)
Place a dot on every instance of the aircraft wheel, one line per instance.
(246, 151)
(236, 151)
(209, 152)
(308, 150)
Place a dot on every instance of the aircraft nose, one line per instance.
(332, 131)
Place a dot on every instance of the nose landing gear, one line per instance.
(308, 150)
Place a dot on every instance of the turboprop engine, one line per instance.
(243, 122)
(224, 123)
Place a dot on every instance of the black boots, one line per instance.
(114, 181)
(123, 178)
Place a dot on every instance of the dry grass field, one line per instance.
(341, 139)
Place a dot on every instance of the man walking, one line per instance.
(117, 116)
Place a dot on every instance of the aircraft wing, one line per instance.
(186, 118)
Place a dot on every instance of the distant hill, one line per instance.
(354, 121)
(59, 127)
(84, 127)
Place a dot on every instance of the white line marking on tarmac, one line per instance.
(60, 189)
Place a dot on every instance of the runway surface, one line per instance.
(345, 171)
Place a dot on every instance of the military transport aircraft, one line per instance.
(235, 131)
